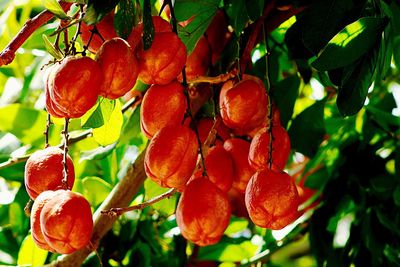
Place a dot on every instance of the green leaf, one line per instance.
(97, 153)
(203, 12)
(254, 8)
(350, 44)
(166, 206)
(354, 89)
(308, 129)
(50, 48)
(111, 130)
(99, 114)
(285, 94)
(392, 254)
(236, 225)
(95, 190)
(237, 13)
(124, 19)
(31, 255)
(396, 195)
(27, 124)
(96, 10)
(54, 7)
(148, 32)
(396, 51)
(228, 252)
(383, 183)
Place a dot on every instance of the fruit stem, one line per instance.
(119, 211)
(46, 132)
(8, 53)
(214, 80)
(78, 30)
(65, 165)
(185, 85)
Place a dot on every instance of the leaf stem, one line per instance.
(65, 165)
(46, 132)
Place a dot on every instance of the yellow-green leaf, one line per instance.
(111, 130)
(54, 7)
(30, 255)
(50, 48)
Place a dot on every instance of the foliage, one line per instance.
(334, 75)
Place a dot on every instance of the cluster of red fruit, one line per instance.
(61, 220)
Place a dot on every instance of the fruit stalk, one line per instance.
(8, 53)
(65, 166)
(46, 132)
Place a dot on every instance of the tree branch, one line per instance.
(8, 53)
(122, 194)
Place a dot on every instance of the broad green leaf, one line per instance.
(166, 206)
(111, 130)
(236, 225)
(396, 51)
(203, 12)
(228, 252)
(396, 195)
(95, 190)
(354, 88)
(50, 48)
(308, 129)
(99, 114)
(392, 254)
(237, 12)
(285, 94)
(350, 43)
(254, 8)
(27, 124)
(97, 153)
(96, 10)
(124, 19)
(54, 7)
(31, 255)
(383, 183)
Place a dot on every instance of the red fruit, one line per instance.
(238, 205)
(272, 199)
(204, 126)
(198, 61)
(239, 151)
(203, 212)
(244, 105)
(37, 234)
(219, 168)
(260, 149)
(171, 156)
(105, 28)
(73, 86)
(44, 171)
(120, 68)
(162, 105)
(163, 61)
(218, 35)
(66, 222)
(51, 107)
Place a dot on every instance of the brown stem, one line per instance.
(115, 212)
(214, 80)
(46, 132)
(65, 165)
(8, 53)
(246, 56)
(121, 195)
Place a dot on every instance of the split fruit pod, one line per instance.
(272, 199)
(203, 212)
(171, 156)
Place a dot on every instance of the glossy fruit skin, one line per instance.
(243, 105)
(171, 156)
(259, 149)
(162, 105)
(204, 126)
(44, 171)
(119, 66)
(74, 84)
(203, 212)
(66, 222)
(272, 199)
(163, 61)
(37, 234)
(105, 28)
(198, 61)
(239, 151)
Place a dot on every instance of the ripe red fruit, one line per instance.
(120, 68)
(238, 205)
(37, 234)
(260, 149)
(243, 105)
(73, 86)
(105, 28)
(219, 166)
(272, 199)
(204, 126)
(66, 222)
(44, 171)
(171, 156)
(163, 61)
(162, 105)
(239, 151)
(203, 212)
(198, 61)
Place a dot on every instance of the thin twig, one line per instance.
(8, 53)
(46, 132)
(119, 211)
(65, 164)
(214, 80)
